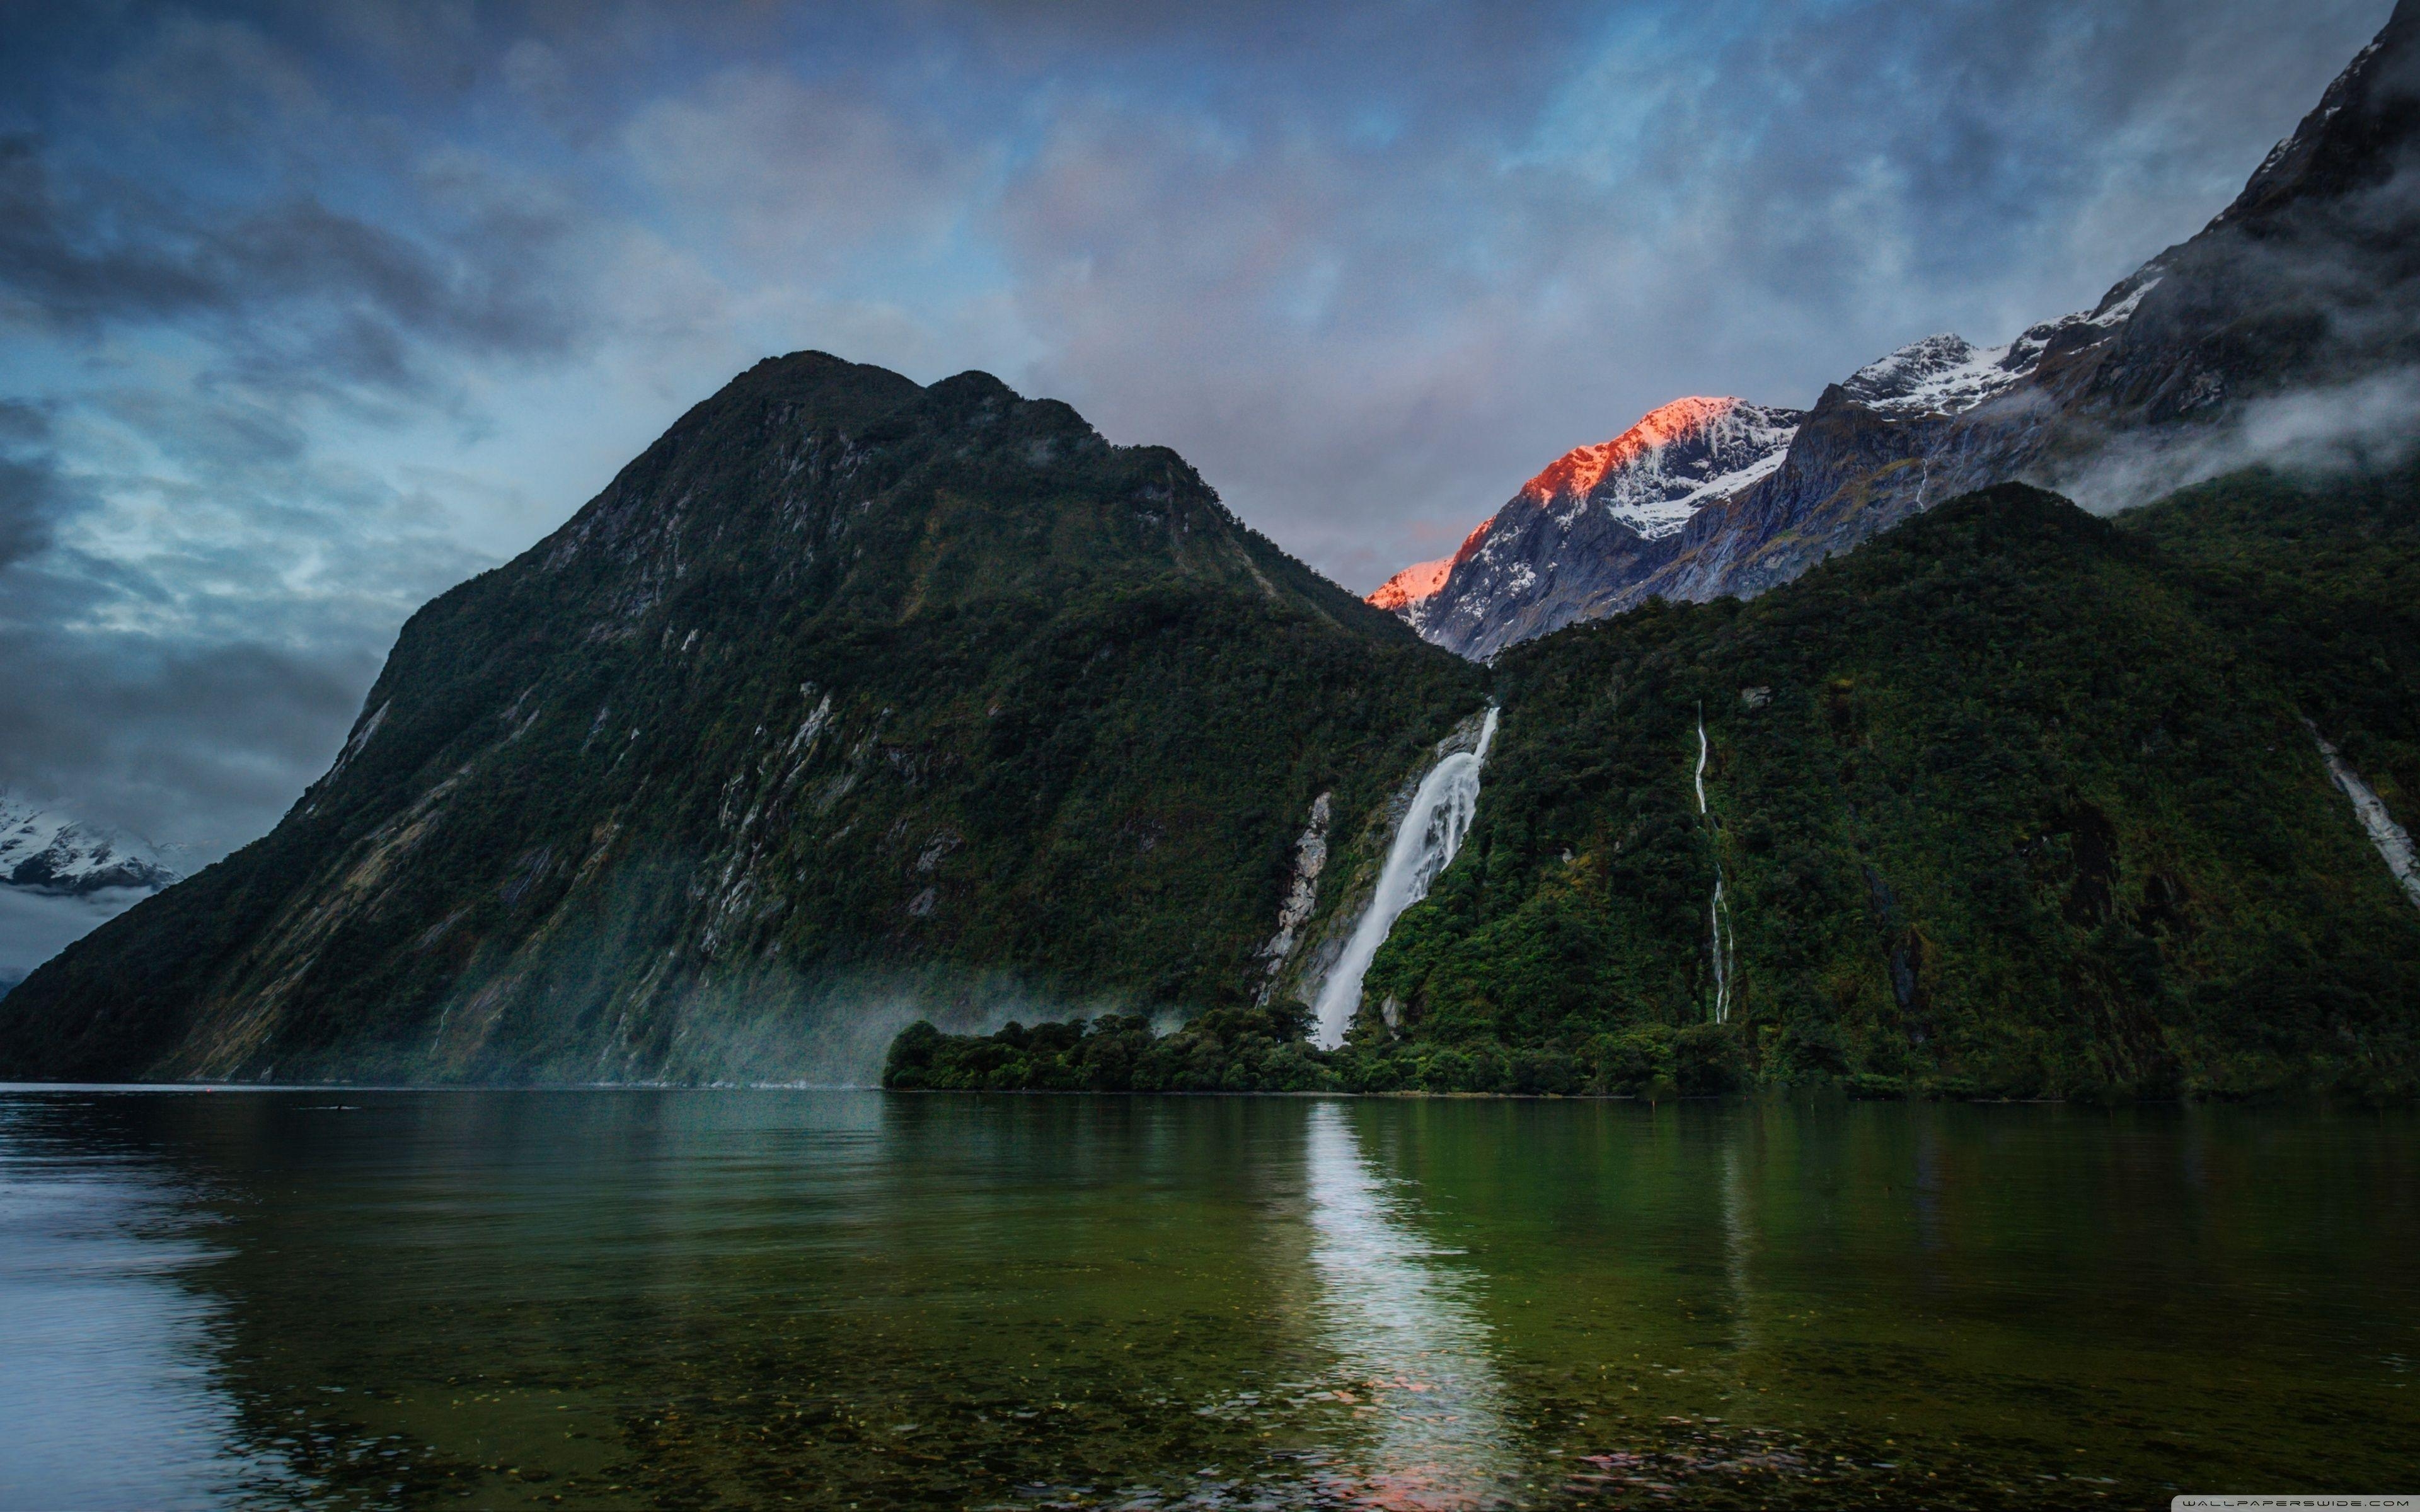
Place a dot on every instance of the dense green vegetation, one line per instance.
(1264, 1050)
(2009, 802)
(2321, 580)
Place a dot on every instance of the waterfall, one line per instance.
(1432, 832)
(1719, 913)
(2394, 842)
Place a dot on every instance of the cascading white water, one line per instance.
(1718, 912)
(2394, 842)
(1425, 841)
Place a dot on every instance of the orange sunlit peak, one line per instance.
(1419, 580)
(1583, 468)
(1426, 579)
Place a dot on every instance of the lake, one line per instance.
(702, 1299)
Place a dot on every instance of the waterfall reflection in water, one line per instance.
(1411, 1347)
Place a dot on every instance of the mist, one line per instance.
(2314, 434)
(835, 1034)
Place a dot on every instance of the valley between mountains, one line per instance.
(861, 727)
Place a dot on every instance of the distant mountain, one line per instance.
(850, 699)
(45, 851)
(1580, 527)
(2293, 318)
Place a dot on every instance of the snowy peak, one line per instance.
(1580, 469)
(1410, 591)
(1679, 458)
(1542, 559)
(45, 851)
(1945, 373)
(1421, 581)
(1949, 375)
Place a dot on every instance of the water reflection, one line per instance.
(412, 1299)
(103, 1344)
(1410, 1344)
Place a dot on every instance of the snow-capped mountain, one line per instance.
(1949, 375)
(45, 851)
(2306, 287)
(1653, 478)
(1541, 561)
(1708, 497)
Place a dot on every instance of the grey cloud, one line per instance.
(297, 295)
(196, 745)
(29, 498)
(800, 172)
(1368, 342)
(188, 688)
(33, 495)
(2316, 433)
(35, 926)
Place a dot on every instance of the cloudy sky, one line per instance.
(311, 310)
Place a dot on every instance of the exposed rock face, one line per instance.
(2305, 292)
(1302, 891)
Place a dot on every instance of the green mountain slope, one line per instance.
(2013, 812)
(2321, 581)
(2011, 801)
(848, 697)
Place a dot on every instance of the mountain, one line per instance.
(45, 851)
(1586, 523)
(2290, 326)
(847, 700)
(2011, 801)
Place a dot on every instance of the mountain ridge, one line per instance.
(1613, 501)
(2309, 278)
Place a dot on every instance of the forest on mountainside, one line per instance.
(2009, 802)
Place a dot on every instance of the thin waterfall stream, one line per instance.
(1718, 938)
(1432, 830)
(2393, 841)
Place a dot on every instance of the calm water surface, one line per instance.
(817, 1299)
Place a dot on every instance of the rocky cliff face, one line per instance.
(2293, 318)
(847, 701)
